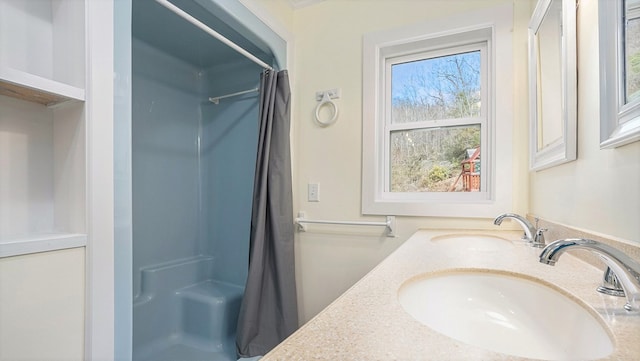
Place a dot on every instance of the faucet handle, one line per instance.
(610, 284)
(538, 239)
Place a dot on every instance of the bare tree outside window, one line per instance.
(430, 157)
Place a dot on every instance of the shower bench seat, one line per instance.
(182, 312)
(210, 311)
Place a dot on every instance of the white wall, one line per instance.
(42, 308)
(600, 191)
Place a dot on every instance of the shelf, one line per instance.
(41, 243)
(21, 85)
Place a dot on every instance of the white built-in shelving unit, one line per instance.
(43, 124)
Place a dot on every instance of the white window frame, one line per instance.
(619, 120)
(491, 26)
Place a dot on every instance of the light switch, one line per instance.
(313, 192)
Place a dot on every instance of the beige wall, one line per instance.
(600, 191)
(42, 308)
(328, 54)
(278, 11)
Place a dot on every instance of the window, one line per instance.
(619, 29)
(435, 120)
(436, 140)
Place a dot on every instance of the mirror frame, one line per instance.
(565, 149)
(619, 122)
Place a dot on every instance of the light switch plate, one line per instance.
(313, 192)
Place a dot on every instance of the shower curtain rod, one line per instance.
(216, 100)
(213, 33)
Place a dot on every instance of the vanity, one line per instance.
(372, 321)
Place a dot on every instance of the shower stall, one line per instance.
(193, 165)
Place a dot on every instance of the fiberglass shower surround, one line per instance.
(193, 174)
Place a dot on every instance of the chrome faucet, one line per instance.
(626, 269)
(532, 234)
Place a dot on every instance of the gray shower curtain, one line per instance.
(269, 311)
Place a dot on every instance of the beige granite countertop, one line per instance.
(368, 323)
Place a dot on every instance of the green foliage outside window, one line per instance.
(429, 159)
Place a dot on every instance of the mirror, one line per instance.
(552, 83)
(619, 29)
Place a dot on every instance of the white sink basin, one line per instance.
(474, 242)
(507, 314)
